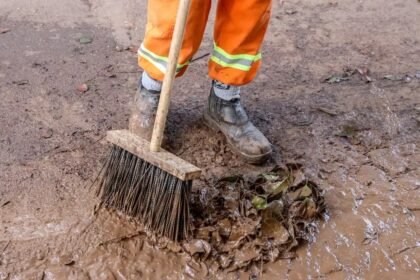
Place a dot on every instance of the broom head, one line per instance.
(153, 187)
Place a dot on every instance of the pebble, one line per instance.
(82, 87)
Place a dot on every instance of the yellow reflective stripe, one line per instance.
(158, 66)
(225, 64)
(157, 58)
(143, 48)
(236, 56)
(161, 65)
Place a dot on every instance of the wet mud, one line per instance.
(338, 94)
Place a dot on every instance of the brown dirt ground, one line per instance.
(358, 140)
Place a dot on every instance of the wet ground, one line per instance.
(338, 93)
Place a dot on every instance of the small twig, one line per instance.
(200, 57)
(5, 203)
(127, 72)
(5, 247)
(119, 239)
(404, 249)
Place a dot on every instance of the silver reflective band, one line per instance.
(158, 61)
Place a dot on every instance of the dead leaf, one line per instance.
(391, 77)
(276, 187)
(21, 82)
(328, 111)
(133, 49)
(225, 261)
(288, 255)
(174, 247)
(273, 254)
(300, 193)
(243, 228)
(231, 179)
(204, 232)
(215, 237)
(270, 176)
(335, 79)
(364, 72)
(259, 202)
(310, 210)
(348, 131)
(196, 270)
(245, 255)
(198, 246)
(231, 203)
(276, 208)
(305, 191)
(225, 227)
(290, 12)
(85, 40)
(272, 228)
(299, 178)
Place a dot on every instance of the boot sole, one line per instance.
(209, 122)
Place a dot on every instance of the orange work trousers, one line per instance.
(239, 30)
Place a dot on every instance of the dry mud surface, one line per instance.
(339, 93)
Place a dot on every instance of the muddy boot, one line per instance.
(143, 112)
(230, 118)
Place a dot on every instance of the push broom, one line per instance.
(141, 179)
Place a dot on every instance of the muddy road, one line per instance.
(339, 93)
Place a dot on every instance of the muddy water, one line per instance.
(359, 141)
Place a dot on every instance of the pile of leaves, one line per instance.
(244, 221)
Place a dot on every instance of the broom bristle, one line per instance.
(139, 189)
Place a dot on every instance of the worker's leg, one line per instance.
(153, 56)
(161, 14)
(239, 31)
(238, 34)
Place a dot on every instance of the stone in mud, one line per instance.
(47, 133)
(82, 88)
(4, 30)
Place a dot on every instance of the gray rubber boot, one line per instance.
(230, 118)
(143, 112)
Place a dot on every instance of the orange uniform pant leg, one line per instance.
(238, 35)
(161, 14)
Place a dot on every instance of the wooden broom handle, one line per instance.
(168, 80)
